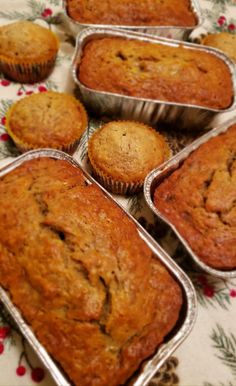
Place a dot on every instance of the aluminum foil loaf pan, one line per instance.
(158, 175)
(174, 32)
(147, 110)
(172, 341)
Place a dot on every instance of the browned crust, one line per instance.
(199, 198)
(156, 71)
(97, 299)
(136, 13)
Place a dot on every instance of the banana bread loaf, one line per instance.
(156, 71)
(133, 13)
(96, 293)
(199, 198)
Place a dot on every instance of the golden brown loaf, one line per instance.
(199, 198)
(125, 152)
(156, 71)
(96, 297)
(135, 12)
(224, 41)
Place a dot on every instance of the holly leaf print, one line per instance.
(226, 346)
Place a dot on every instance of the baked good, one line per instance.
(156, 71)
(27, 51)
(122, 153)
(224, 41)
(199, 198)
(50, 119)
(133, 13)
(97, 294)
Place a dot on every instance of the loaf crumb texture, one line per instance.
(156, 71)
(135, 12)
(199, 198)
(82, 277)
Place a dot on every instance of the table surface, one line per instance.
(208, 355)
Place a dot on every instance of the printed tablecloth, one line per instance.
(208, 355)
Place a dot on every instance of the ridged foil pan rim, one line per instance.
(170, 166)
(90, 33)
(165, 350)
(194, 5)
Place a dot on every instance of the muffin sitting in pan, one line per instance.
(122, 153)
(27, 51)
(51, 119)
(223, 41)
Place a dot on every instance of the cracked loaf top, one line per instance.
(82, 277)
(156, 71)
(199, 198)
(135, 12)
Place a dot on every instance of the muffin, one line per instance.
(122, 153)
(224, 41)
(49, 119)
(27, 51)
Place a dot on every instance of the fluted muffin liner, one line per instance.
(118, 186)
(24, 146)
(28, 70)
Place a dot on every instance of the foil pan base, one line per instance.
(178, 116)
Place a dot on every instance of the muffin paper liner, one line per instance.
(24, 72)
(115, 186)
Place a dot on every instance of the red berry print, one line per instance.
(3, 121)
(42, 89)
(233, 293)
(19, 92)
(221, 21)
(208, 291)
(1, 348)
(20, 371)
(5, 82)
(4, 137)
(29, 92)
(46, 12)
(4, 332)
(37, 374)
(231, 27)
